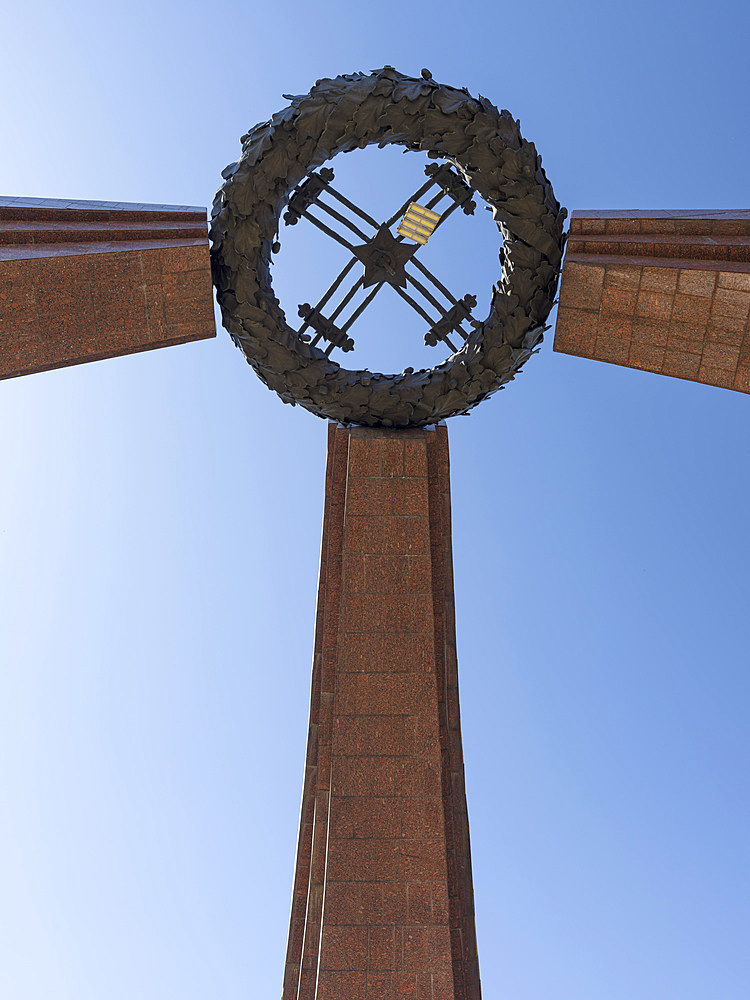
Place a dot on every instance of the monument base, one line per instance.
(383, 903)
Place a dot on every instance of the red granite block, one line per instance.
(685, 337)
(404, 574)
(658, 226)
(395, 902)
(723, 319)
(659, 279)
(442, 986)
(405, 494)
(418, 778)
(681, 365)
(382, 948)
(397, 613)
(415, 461)
(414, 950)
(365, 860)
(612, 349)
(722, 377)
(354, 903)
(722, 335)
(622, 226)
(425, 733)
(364, 457)
(654, 306)
(721, 356)
(619, 299)
(440, 902)
(740, 280)
(387, 535)
(343, 948)
(422, 816)
(421, 860)
(731, 302)
(582, 286)
(386, 494)
(354, 572)
(691, 309)
(588, 225)
(373, 735)
(691, 281)
(368, 817)
(622, 277)
(366, 776)
(363, 495)
(419, 903)
(394, 654)
(576, 331)
(337, 986)
(393, 457)
(308, 978)
(380, 694)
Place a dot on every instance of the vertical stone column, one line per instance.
(383, 903)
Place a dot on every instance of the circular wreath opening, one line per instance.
(385, 107)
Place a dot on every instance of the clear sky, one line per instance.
(160, 524)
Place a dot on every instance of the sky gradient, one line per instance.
(160, 520)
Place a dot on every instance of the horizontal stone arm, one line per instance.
(86, 280)
(662, 291)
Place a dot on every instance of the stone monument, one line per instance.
(382, 904)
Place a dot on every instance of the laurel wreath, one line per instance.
(385, 107)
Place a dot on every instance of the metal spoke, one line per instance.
(415, 305)
(427, 294)
(354, 208)
(327, 231)
(342, 274)
(358, 312)
(341, 218)
(445, 215)
(446, 340)
(438, 284)
(452, 320)
(433, 201)
(347, 299)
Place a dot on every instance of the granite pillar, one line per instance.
(383, 903)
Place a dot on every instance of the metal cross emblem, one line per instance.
(386, 258)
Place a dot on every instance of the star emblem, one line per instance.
(385, 259)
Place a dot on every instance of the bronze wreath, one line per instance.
(351, 112)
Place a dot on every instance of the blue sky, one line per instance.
(160, 528)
